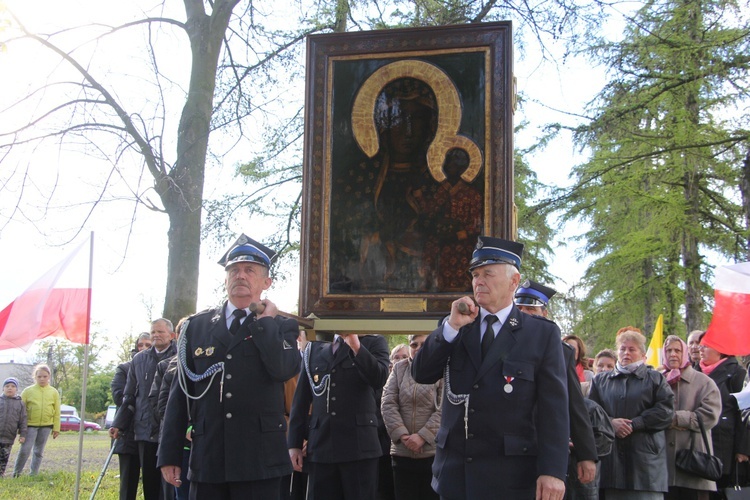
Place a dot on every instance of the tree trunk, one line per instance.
(181, 190)
(648, 297)
(691, 259)
(745, 190)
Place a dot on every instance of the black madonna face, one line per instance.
(410, 133)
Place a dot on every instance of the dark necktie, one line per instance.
(489, 334)
(337, 344)
(238, 315)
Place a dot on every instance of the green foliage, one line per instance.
(98, 394)
(660, 189)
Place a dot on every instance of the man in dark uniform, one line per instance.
(232, 365)
(533, 298)
(340, 380)
(504, 428)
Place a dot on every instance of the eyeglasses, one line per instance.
(416, 345)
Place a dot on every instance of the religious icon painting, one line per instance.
(408, 159)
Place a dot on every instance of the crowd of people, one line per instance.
(494, 404)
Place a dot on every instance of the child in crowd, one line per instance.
(12, 420)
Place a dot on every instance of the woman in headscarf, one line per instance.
(730, 437)
(640, 404)
(695, 395)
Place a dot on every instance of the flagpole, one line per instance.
(85, 370)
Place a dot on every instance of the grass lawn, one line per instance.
(57, 477)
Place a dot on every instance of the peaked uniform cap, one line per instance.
(246, 249)
(534, 294)
(491, 250)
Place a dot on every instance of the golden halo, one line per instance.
(449, 115)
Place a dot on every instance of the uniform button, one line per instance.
(333, 413)
(469, 460)
(281, 425)
(519, 372)
(333, 398)
(229, 395)
(476, 386)
(229, 356)
(525, 449)
(229, 376)
(470, 436)
(471, 410)
(229, 415)
(333, 384)
(260, 328)
(333, 371)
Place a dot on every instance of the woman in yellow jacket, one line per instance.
(43, 409)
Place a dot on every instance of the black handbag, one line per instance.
(700, 464)
(736, 492)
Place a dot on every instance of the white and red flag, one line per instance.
(57, 305)
(729, 331)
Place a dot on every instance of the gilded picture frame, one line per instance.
(408, 158)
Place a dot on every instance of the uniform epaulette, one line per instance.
(545, 319)
(200, 313)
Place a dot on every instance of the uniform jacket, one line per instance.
(639, 461)
(12, 419)
(581, 432)
(343, 425)
(408, 408)
(42, 406)
(694, 394)
(514, 435)
(729, 436)
(238, 425)
(136, 410)
(125, 443)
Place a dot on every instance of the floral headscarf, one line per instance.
(673, 375)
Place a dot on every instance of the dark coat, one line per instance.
(238, 424)
(343, 426)
(166, 385)
(512, 437)
(639, 461)
(581, 432)
(155, 391)
(125, 444)
(13, 419)
(136, 410)
(729, 436)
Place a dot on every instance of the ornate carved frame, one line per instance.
(442, 56)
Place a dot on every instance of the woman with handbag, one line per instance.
(639, 403)
(695, 397)
(730, 438)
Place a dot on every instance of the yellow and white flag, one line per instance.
(653, 356)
